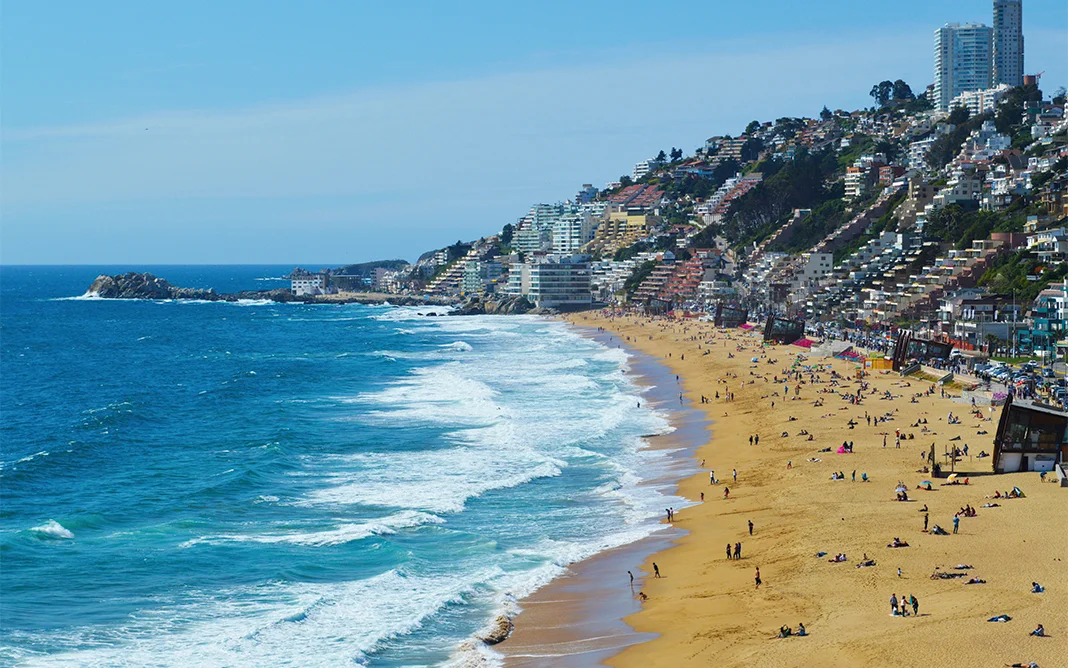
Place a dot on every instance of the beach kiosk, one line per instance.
(730, 316)
(1030, 437)
(783, 330)
(908, 348)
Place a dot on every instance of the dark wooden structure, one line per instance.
(909, 348)
(783, 330)
(730, 316)
(1030, 437)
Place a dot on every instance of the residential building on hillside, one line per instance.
(962, 61)
(980, 101)
(586, 195)
(644, 167)
(1008, 46)
(531, 239)
(571, 232)
(1049, 245)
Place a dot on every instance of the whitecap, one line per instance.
(52, 529)
(341, 534)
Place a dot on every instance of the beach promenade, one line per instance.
(707, 609)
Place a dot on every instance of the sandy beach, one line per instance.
(707, 609)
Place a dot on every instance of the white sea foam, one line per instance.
(343, 533)
(305, 624)
(458, 345)
(87, 297)
(52, 529)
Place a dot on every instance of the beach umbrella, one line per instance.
(952, 477)
(926, 482)
(901, 488)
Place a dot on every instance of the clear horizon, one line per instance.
(255, 133)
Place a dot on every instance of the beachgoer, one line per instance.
(893, 604)
(729, 550)
(925, 518)
(750, 527)
(915, 602)
(956, 523)
(735, 473)
(757, 578)
(656, 570)
(801, 629)
(726, 492)
(631, 577)
(1039, 632)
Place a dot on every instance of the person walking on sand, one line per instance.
(750, 439)
(893, 605)
(734, 472)
(711, 477)
(726, 492)
(926, 517)
(915, 602)
(756, 439)
(656, 570)
(956, 523)
(750, 527)
(757, 577)
(728, 550)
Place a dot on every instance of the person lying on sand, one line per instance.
(867, 563)
(975, 581)
(897, 542)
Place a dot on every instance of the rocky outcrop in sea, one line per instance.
(133, 285)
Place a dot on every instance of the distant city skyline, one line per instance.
(245, 132)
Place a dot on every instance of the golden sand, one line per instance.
(707, 609)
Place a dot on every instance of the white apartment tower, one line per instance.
(963, 60)
(1008, 42)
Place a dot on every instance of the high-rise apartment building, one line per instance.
(963, 60)
(1008, 42)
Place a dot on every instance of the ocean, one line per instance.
(191, 483)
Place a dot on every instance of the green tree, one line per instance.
(958, 115)
(506, 234)
(676, 153)
(825, 114)
(752, 127)
(751, 149)
(626, 181)
(1012, 106)
(881, 92)
(661, 156)
(902, 91)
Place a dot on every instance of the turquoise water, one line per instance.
(279, 484)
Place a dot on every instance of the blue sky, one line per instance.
(329, 132)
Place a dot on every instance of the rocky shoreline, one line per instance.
(133, 285)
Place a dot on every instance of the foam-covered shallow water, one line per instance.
(266, 484)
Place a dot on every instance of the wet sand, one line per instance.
(577, 620)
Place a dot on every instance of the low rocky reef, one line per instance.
(133, 285)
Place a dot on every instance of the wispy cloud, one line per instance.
(442, 160)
